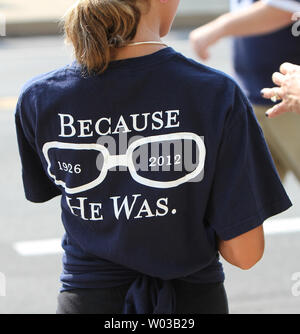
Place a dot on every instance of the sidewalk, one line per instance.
(41, 17)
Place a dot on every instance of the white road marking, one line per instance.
(282, 226)
(8, 103)
(38, 247)
(53, 246)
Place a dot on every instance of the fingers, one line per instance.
(201, 40)
(278, 78)
(268, 93)
(277, 110)
(200, 50)
(287, 67)
(204, 55)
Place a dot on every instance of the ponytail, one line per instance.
(97, 27)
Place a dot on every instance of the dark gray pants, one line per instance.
(190, 299)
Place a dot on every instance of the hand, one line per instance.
(288, 91)
(204, 37)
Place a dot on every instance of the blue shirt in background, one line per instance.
(256, 58)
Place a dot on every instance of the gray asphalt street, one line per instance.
(33, 281)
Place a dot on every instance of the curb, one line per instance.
(51, 26)
(32, 28)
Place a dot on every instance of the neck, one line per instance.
(148, 30)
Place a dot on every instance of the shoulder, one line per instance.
(208, 84)
(46, 83)
(216, 90)
(197, 74)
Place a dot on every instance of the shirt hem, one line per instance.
(252, 222)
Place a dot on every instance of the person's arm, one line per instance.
(288, 91)
(246, 188)
(259, 18)
(37, 185)
(245, 250)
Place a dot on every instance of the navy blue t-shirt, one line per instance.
(154, 160)
(256, 58)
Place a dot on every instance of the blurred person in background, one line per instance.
(288, 91)
(145, 241)
(263, 40)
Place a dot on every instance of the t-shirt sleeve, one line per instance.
(37, 186)
(246, 189)
(288, 5)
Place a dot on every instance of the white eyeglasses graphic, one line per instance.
(111, 161)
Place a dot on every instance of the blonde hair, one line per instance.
(97, 27)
